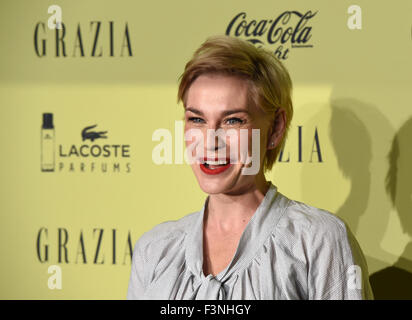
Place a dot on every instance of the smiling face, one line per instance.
(221, 102)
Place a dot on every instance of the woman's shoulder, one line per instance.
(323, 246)
(311, 220)
(168, 231)
(310, 232)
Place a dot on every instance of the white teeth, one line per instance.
(215, 163)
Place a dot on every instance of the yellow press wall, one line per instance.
(352, 87)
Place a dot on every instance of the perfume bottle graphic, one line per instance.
(47, 143)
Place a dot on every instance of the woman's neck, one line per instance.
(226, 212)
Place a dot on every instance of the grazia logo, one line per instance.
(290, 29)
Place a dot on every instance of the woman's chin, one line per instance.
(215, 186)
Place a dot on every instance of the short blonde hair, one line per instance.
(271, 87)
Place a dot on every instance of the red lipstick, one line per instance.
(210, 167)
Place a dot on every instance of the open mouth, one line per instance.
(215, 166)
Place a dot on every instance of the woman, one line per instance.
(248, 241)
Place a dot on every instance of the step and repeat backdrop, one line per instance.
(84, 85)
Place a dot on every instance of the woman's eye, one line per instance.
(234, 121)
(195, 119)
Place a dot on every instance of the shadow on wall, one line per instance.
(360, 137)
(352, 144)
(395, 282)
(358, 133)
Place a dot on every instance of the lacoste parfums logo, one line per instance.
(92, 135)
(91, 155)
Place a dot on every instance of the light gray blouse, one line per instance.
(288, 250)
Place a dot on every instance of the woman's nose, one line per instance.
(215, 139)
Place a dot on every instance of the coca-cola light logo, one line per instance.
(288, 30)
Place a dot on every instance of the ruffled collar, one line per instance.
(258, 229)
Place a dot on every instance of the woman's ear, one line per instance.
(278, 129)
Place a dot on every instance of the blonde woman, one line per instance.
(249, 241)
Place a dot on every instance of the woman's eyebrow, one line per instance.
(194, 111)
(224, 113)
(228, 112)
